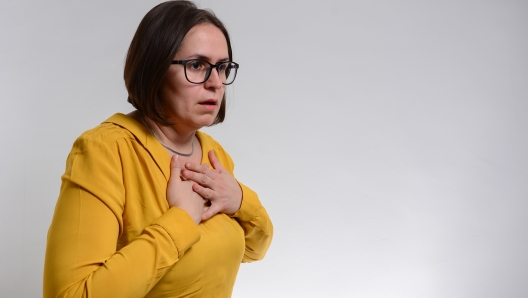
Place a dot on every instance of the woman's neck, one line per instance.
(176, 137)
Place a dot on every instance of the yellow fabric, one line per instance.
(114, 235)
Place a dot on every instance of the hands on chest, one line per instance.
(203, 184)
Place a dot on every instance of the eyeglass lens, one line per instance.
(198, 71)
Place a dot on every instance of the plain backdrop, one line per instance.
(388, 140)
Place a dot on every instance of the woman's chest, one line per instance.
(208, 268)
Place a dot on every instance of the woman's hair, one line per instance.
(157, 39)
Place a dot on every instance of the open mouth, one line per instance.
(209, 104)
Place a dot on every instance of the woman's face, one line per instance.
(193, 106)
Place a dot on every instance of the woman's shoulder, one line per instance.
(106, 133)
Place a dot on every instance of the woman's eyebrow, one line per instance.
(198, 56)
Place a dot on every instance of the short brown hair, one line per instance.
(158, 37)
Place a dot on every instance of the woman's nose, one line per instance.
(214, 80)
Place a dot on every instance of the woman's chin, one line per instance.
(205, 121)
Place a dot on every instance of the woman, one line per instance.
(148, 205)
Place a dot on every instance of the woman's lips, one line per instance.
(209, 104)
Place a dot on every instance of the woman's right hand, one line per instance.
(180, 193)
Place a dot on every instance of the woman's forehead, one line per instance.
(204, 41)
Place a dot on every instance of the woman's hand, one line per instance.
(180, 193)
(217, 186)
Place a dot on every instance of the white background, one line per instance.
(387, 139)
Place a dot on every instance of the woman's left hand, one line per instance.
(216, 185)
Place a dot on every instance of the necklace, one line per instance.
(166, 147)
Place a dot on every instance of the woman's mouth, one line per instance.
(209, 104)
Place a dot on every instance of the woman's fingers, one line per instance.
(207, 194)
(215, 162)
(200, 178)
(175, 167)
(202, 169)
(175, 162)
(204, 192)
(216, 185)
(210, 211)
(200, 174)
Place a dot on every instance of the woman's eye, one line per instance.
(196, 65)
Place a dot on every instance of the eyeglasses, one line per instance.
(198, 71)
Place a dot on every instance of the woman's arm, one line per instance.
(258, 229)
(81, 257)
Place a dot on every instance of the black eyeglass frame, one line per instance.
(208, 73)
